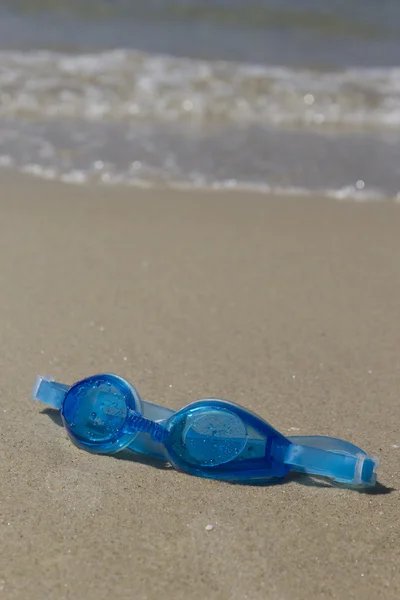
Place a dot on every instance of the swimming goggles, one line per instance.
(209, 438)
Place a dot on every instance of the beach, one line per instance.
(289, 306)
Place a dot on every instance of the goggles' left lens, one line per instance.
(95, 412)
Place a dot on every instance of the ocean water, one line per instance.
(272, 95)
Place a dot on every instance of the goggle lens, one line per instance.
(208, 437)
(96, 409)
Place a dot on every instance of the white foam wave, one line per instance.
(81, 177)
(128, 85)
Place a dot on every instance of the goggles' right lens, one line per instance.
(208, 436)
(95, 411)
(219, 439)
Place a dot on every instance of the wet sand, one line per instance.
(289, 306)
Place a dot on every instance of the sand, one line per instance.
(289, 306)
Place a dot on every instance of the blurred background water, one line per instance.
(276, 95)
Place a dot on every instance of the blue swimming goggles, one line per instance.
(208, 438)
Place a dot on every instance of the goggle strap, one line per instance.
(357, 469)
(49, 392)
(144, 444)
(154, 412)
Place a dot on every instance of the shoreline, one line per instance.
(347, 194)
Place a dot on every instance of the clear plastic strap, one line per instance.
(144, 444)
(49, 392)
(356, 468)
